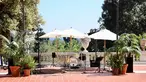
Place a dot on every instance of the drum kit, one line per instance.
(74, 62)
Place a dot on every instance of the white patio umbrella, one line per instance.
(53, 34)
(104, 34)
(73, 33)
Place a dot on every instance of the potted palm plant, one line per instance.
(12, 52)
(126, 46)
(28, 63)
(131, 47)
(116, 60)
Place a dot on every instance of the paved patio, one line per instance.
(139, 76)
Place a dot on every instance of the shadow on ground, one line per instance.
(47, 71)
(103, 74)
(4, 76)
(93, 74)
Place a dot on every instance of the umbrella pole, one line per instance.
(104, 45)
(104, 53)
(96, 48)
(70, 43)
(56, 44)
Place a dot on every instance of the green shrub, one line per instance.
(28, 62)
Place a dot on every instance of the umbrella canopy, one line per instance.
(104, 34)
(53, 34)
(74, 33)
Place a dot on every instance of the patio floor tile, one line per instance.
(78, 77)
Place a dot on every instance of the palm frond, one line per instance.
(5, 39)
(136, 52)
(136, 47)
(125, 49)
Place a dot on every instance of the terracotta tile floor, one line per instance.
(78, 77)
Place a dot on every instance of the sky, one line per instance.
(81, 15)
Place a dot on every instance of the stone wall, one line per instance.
(62, 57)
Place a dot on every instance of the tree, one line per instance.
(132, 16)
(71, 45)
(76, 45)
(42, 41)
(11, 16)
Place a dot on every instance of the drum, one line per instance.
(73, 61)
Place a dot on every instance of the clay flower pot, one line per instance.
(15, 70)
(115, 71)
(124, 68)
(26, 72)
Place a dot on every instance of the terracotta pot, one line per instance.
(115, 71)
(124, 68)
(15, 70)
(26, 72)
